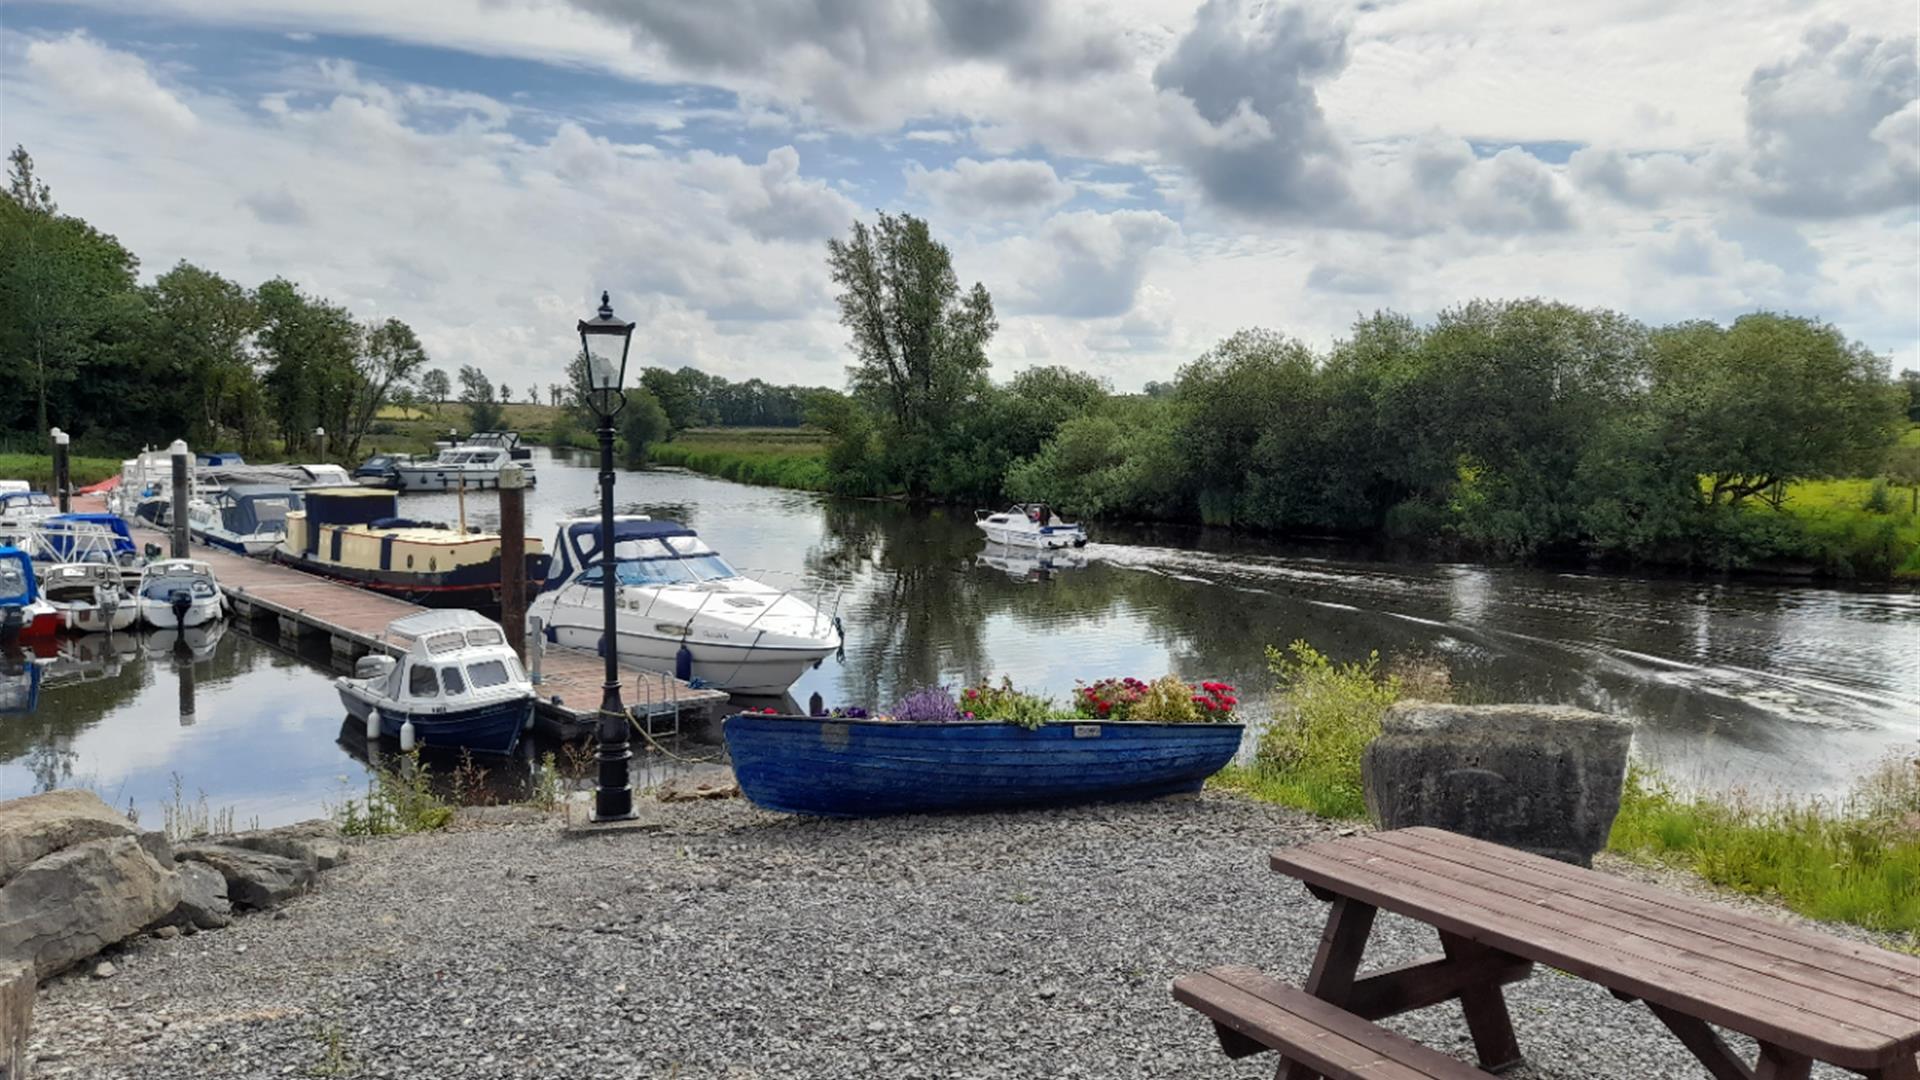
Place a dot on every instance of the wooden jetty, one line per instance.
(355, 622)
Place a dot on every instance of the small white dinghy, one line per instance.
(89, 597)
(1032, 525)
(176, 594)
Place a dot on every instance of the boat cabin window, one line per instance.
(393, 681)
(271, 511)
(13, 582)
(486, 673)
(451, 680)
(421, 681)
(446, 643)
(486, 635)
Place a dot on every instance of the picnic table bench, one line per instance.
(1802, 995)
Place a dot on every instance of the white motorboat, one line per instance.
(176, 594)
(20, 509)
(89, 597)
(1029, 525)
(249, 519)
(680, 608)
(472, 465)
(459, 685)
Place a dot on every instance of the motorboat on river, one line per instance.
(681, 608)
(176, 594)
(1030, 525)
(25, 615)
(381, 470)
(474, 464)
(21, 508)
(458, 685)
(90, 597)
(249, 519)
(355, 534)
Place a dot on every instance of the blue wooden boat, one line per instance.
(862, 768)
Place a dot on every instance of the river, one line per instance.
(1760, 685)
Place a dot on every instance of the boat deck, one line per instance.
(356, 622)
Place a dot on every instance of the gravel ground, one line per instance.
(735, 943)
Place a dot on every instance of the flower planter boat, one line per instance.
(861, 768)
(458, 687)
(1030, 525)
(177, 594)
(24, 614)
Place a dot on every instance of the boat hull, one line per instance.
(475, 585)
(91, 618)
(760, 670)
(34, 622)
(492, 728)
(160, 615)
(1028, 538)
(414, 478)
(863, 768)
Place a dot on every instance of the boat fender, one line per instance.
(683, 664)
(406, 737)
(551, 635)
(373, 725)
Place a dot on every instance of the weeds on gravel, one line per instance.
(400, 799)
(333, 1052)
(1324, 715)
(544, 792)
(1855, 859)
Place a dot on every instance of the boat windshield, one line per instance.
(13, 580)
(668, 570)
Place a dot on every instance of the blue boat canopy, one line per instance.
(580, 545)
(12, 499)
(17, 587)
(62, 544)
(257, 508)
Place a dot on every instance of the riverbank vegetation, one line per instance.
(772, 457)
(37, 469)
(1854, 859)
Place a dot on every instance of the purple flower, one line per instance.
(927, 704)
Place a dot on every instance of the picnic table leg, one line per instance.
(1705, 1043)
(1486, 1008)
(1335, 964)
(1778, 1064)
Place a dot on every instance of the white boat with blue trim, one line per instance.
(458, 685)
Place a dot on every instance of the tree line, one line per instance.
(1516, 428)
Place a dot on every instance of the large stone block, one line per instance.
(39, 825)
(1543, 778)
(255, 879)
(71, 904)
(203, 899)
(316, 843)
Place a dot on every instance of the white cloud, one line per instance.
(991, 189)
(89, 74)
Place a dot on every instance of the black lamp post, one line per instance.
(604, 340)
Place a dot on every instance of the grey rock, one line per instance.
(39, 825)
(16, 1017)
(166, 933)
(255, 879)
(719, 785)
(71, 904)
(203, 899)
(1543, 778)
(105, 970)
(316, 843)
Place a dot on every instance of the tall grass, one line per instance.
(37, 469)
(796, 464)
(400, 799)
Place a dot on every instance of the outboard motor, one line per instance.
(180, 600)
(11, 623)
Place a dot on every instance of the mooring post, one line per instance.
(182, 470)
(513, 557)
(62, 482)
(320, 443)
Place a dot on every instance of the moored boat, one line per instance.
(867, 767)
(1030, 525)
(90, 597)
(474, 465)
(354, 534)
(22, 508)
(24, 614)
(248, 519)
(177, 594)
(458, 685)
(379, 470)
(681, 608)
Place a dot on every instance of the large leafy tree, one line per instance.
(390, 353)
(436, 387)
(308, 350)
(919, 342)
(202, 328)
(476, 393)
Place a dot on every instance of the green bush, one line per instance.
(1324, 716)
(400, 799)
(1879, 498)
(990, 702)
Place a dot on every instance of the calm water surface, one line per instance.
(1765, 685)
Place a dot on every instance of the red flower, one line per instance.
(1229, 700)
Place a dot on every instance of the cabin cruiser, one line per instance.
(465, 466)
(89, 596)
(1029, 525)
(249, 519)
(24, 614)
(355, 534)
(681, 608)
(380, 470)
(176, 594)
(457, 685)
(20, 509)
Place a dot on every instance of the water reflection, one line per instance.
(1732, 682)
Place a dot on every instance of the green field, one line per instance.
(772, 457)
(37, 469)
(412, 431)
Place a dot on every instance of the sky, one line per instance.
(1131, 180)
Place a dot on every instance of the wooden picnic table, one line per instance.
(1804, 996)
